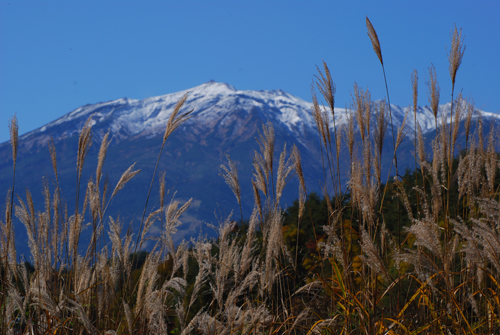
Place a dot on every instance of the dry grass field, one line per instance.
(402, 253)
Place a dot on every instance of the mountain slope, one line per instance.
(224, 120)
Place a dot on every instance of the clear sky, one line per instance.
(57, 56)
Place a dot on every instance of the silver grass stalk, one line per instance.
(401, 132)
(338, 143)
(205, 324)
(14, 133)
(475, 255)
(367, 112)
(302, 184)
(327, 87)
(468, 118)
(436, 183)
(479, 126)
(367, 160)
(75, 227)
(328, 203)
(128, 316)
(100, 272)
(155, 313)
(356, 182)
(81, 315)
(83, 280)
(16, 301)
(41, 298)
(433, 92)
(422, 156)
(491, 161)
(414, 85)
(257, 198)
(96, 233)
(230, 175)
(275, 244)
(11, 259)
(459, 113)
(284, 170)
(377, 167)
(84, 143)
(114, 233)
(248, 248)
(23, 213)
(44, 229)
(374, 39)
(319, 119)
(185, 262)
(151, 219)
(180, 313)
(95, 203)
(266, 143)
(349, 133)
(53, 156)
(200, 251)
(178, 258)
(372, 258)
(124, 179)
(444, 146)
(162, 189)
(378, 138)
(325, 121)
(380, 127)
(456, 53)
(322, 326)
(55, 227)
(358, 103)
(174, 120)
(14, 138)
(172, 215)
(248, 283)
(147, 281)
(404, 197)
(427, 235)
(260, 173)
(486, 234)
(102, 155)
(222, 270)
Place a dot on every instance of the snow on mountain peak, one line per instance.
(213, 87)
(210, 101)
(213, 102)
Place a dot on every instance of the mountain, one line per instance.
(225, 121)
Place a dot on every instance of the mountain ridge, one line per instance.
(148, 116)
(225, 120)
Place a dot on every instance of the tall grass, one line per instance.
(415, 255)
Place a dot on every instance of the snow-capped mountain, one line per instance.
(225, 120)
(212, 102)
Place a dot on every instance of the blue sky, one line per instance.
(58, 55)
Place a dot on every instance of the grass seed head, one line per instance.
(456, 53)
(414, 85)
(433, 90)
(374, 39)
(14, 133)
